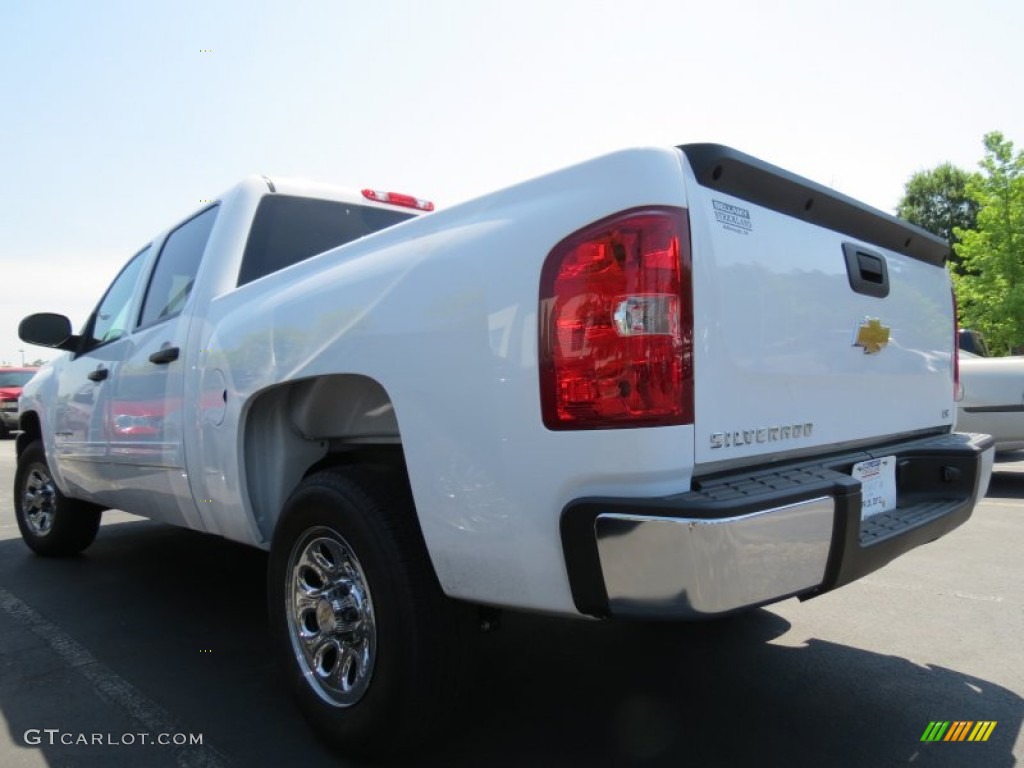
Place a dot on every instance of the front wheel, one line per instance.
(372, 648)
(51, 524)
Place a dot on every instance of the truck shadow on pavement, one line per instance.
(1006, 483)
(176, 622)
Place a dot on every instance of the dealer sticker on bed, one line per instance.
(877, 485)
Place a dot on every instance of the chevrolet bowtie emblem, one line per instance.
(871, 335)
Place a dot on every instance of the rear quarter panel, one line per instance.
(442, 312)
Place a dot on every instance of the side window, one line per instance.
(111, 319)
(176, 268)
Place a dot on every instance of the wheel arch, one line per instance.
(31, 429)
(297, 428)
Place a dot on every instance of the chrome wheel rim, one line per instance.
(39, 500)
(330, 617)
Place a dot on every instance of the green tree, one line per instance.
(991, 287)
(937, 200)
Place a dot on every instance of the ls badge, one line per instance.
(871, 335)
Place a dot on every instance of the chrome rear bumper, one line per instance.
(697, 567)
(755, 537)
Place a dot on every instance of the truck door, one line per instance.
(147, 456)
(84, 386)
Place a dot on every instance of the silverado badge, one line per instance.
(871, 335)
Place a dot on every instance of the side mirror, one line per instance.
(47, 330)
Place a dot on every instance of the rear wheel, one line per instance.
(50, 523)
(372, 648)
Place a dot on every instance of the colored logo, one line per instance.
(871, 335)
(958, 730)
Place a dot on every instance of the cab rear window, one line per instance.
(287, 230)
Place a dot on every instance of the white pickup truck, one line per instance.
(665, 383)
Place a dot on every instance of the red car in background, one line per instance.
(11, 382)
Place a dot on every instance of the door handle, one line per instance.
(98, 375)
(164, 355)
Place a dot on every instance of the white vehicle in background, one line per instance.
(993, 398)
(668, 383)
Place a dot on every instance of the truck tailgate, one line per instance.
(820, 322)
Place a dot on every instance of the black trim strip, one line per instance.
(995, 409)
(743, 176)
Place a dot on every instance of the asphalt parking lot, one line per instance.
(162, 631)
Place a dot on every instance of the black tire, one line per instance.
(52, 524)
(405, 682)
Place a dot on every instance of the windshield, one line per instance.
(15, 378)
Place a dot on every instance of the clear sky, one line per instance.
(115, 122)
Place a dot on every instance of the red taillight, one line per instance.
(397, 198)
(958, 392)
(616, 324)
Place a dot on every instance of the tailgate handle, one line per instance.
(867, 270)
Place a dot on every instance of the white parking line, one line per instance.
(110, 686)
(990, 502)
(873, 581)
